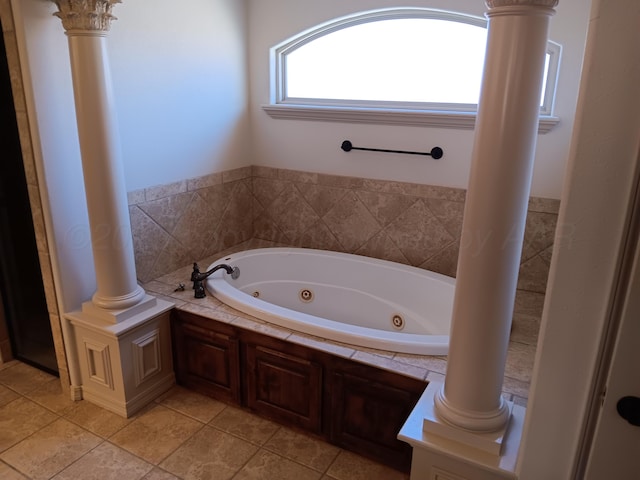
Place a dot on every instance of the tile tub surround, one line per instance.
(409, 223)
(181, 435)
(174, 224)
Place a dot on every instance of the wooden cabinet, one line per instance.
(355, 406)
(367, 414)
(206, 360)
(284, 387)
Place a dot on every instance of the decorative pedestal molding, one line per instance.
(125, 365)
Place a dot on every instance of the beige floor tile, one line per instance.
(96, 419)
(159, 474)
(302, 449)
(245, 425)
(210, 453)
(156, 434)
(50, 450)
(8, 473)
(23, 378)
(349, 466)
(106, 462)
(520, 359)
(266, 465)
(7, 395)
(192, 404)
(50, 395)
(19, 419)
(10, 363)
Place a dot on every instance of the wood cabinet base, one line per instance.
(354, 406)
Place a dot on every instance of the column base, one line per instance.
(127, 364)
(122, 302)
(490, 442)
(485, 430)
(441, 450)
(117, 315)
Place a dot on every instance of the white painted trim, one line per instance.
(603, 161)
(127, 408)
(387, 116)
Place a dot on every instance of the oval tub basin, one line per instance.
(341, 297)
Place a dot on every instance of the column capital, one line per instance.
(521, 3)
(85, 15)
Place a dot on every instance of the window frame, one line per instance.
(460, 116)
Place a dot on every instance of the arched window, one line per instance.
(402, 65)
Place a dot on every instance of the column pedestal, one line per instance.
(125, 365)
(437, 455)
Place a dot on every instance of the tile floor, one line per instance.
(182, 435)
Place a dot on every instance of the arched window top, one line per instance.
(403, 62)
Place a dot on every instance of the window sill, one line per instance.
(382, 116)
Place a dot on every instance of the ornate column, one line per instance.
(86, 24)
(468, 407)
(121, 336)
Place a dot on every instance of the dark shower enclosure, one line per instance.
(22, 296)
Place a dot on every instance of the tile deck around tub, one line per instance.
(520, 355)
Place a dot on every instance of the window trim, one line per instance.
(459, 116)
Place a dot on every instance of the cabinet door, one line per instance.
(367, 416)
(284, 387)
(207, 361)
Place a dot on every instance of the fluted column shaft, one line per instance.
(495, 214)
(86, 24)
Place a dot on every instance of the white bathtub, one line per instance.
(341, 297)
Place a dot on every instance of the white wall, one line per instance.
(179, 78)
(311, 145)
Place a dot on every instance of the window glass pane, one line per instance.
(401, 60)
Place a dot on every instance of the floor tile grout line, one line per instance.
(175, 409)
(32, 433)
(80, 457)
(235, 475)
(11, 465)
(202, 426)
(280, 454)
(15, 469)
(254, 443)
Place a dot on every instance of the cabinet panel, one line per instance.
(367, 416)
(285, 387)
(207, 361)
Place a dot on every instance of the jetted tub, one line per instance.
(342, 297)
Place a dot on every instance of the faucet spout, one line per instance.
(198, 277)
